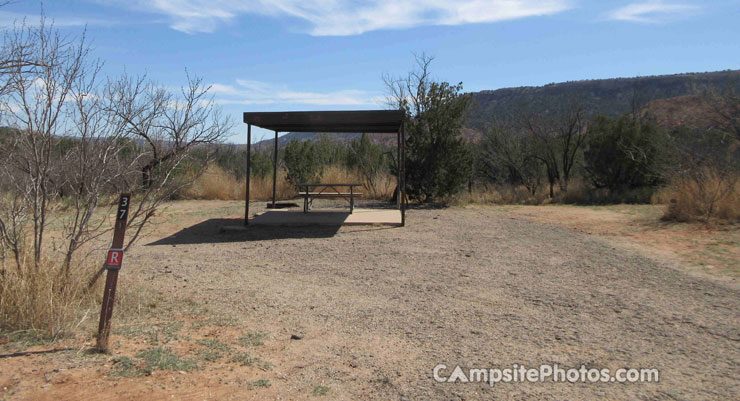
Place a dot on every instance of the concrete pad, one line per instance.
(327, 217)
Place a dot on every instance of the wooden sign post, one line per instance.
(113, 263)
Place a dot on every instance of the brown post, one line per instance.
(398, 169)
(274, 172)
(249, 171)
(113, 264)
(402, 158)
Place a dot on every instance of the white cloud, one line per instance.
(256, 93)
(345, 17)
(651, 11)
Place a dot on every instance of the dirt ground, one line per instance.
(707, 250)
(372, 310)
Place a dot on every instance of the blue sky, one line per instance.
(263, 55)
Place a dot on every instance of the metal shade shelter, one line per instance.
(356, 121)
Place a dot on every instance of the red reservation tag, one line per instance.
(115, 258)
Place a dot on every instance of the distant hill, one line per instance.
(604, 96)
(382, 139)
(690, 110)
(666, 98)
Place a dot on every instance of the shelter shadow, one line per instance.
(210, 231)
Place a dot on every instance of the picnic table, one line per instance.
(309, 192)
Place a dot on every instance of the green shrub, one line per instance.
(302, 162)
(165, 359)
(438, 163)
(623, 154)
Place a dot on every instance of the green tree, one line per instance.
(624, 153)
(437, 161)
(302, 162)
(329, 151)
(262, 164)
(367, 159)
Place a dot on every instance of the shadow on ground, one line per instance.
(209, 231)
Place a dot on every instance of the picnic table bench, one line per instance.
(309, 192)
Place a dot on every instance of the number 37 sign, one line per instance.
(115, 254)
(113, 265)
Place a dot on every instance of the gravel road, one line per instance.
(378, 308)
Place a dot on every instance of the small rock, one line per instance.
(296, 336)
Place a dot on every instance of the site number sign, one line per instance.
(123, 205)
(113, 262)
(115, 254)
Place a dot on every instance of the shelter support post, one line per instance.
(249, 173)
(402, 175)
(398, 169)
(274, 172)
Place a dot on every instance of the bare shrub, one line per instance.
(557, 140)
(73, 145)
(662, 196)
(705, 195)
(704, 183)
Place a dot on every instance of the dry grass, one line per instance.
(261, 188)
(45, 301)
(380, 187)
(706, 196)
(579, 193)
(662, 196)
(502, 195)
(215, 183)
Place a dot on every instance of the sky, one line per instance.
(276, 55)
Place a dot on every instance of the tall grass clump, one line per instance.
(379, 186)
(44, 299)
(215, 183)
(218, 184)
(707, 196)
(261, 187)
